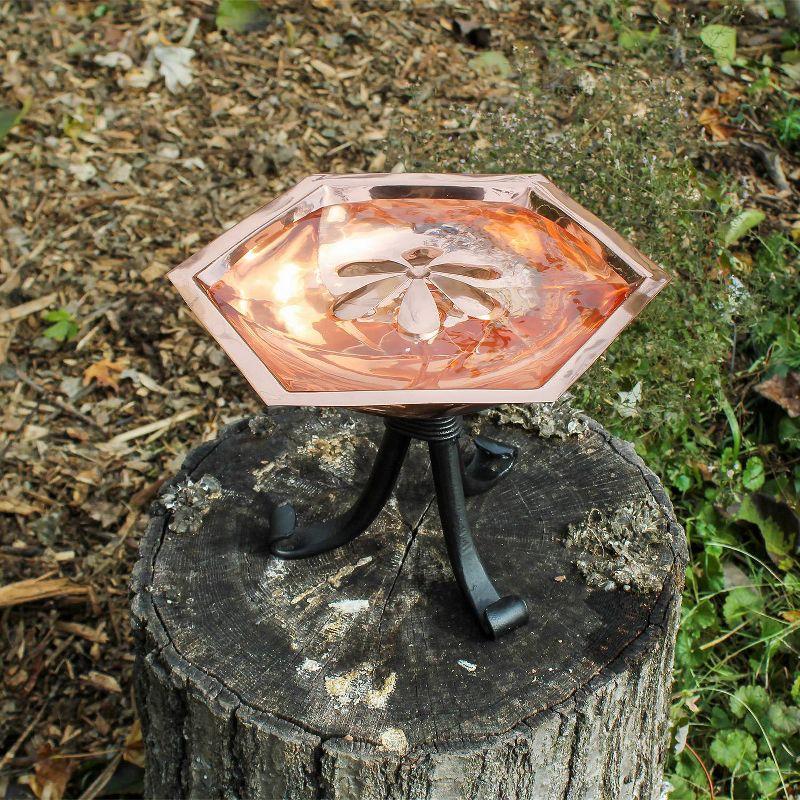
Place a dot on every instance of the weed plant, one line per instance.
(679, 384)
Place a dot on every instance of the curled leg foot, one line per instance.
(288, 541)
(504, 615)
(490, 462)
(496, 614)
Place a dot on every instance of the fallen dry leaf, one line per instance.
(102, 372)
(326, 70)
(14, 594)
(174, 65)
(783, 390)
(134, 746)
(716, 124)
(99, 680)
(155, 271)
(16, 678)
(51, 775)
(730, 95)
(26, 309)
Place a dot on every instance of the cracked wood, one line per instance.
(360, 673)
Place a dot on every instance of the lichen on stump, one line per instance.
(360, 673)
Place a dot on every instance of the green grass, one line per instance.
(627, 150)
(621, 153)
(787, 125)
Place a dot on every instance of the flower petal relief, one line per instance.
(385, 283)
(434, 284)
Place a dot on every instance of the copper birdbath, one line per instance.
(417, 297)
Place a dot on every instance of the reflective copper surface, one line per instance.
(417, 294)
(426, 293)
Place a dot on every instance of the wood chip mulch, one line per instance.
(110, 180)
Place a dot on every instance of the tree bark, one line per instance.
(360, 674)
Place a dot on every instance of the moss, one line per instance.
(261, 425)
(623, 548)
(621, 150)
(547, 419)
(189, 502)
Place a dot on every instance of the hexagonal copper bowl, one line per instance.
(417, 294)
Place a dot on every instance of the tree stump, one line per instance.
(360, 673)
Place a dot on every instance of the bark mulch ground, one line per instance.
(109, 180)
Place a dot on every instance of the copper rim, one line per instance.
(528, 191)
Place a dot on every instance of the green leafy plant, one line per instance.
(785, 355)
(492, 62)
(778, 541)
(10, 117)
(743, 222)
(63, 325)
(242, 16)
(721, 40)
(753, 475)
(634, 40)
(735, 750)
(724, 322)
(787, 125)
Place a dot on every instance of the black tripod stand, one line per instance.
(454, 478)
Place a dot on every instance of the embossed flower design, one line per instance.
(414, 280)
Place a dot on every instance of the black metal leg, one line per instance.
(452, 477)
(497, 615)
(490, 462)
(288, 541)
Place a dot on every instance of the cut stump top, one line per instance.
(374, 641)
